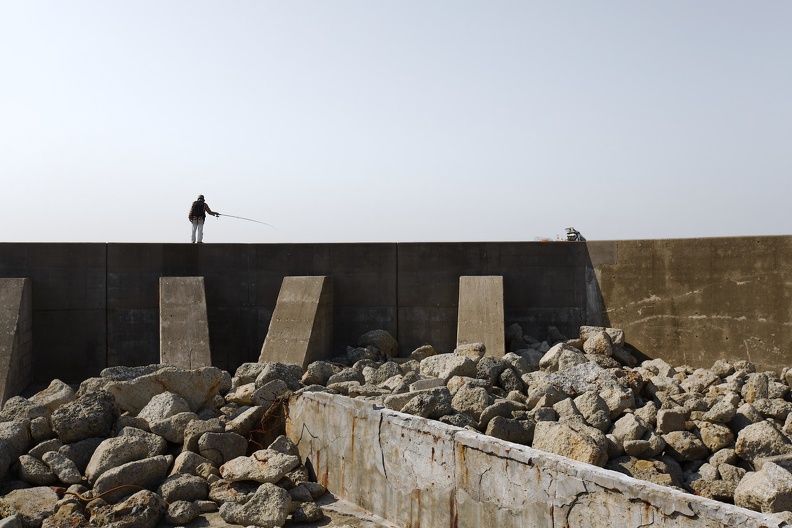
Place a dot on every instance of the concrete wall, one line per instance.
(691, 301)
(417, 472)
(16, 337)
(97, 305)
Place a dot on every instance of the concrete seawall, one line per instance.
(688, 301)
(417, 472)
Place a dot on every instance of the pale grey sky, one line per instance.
(369, 121)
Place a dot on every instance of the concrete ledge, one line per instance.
(301, 330)
(184, 327)
(16, 337)
(418, 472)
(480, 318)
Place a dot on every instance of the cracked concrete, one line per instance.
(417, 472)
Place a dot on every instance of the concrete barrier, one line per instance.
(301, 330)
(16, 337)
(418, 472)
(480, 318)
(690, 301)
(184, 328)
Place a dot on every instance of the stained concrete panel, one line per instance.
(418, 472)
(693, 301)
(301, 330)
(184, 328)
(480, 317)
(16, 337)
(69, 306)
(543, 285)
(364, 283)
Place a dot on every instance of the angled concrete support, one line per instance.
(301, 330)
(16, 337)
(184, 327)
(480, 318)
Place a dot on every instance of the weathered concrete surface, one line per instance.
(480, 317)
(417, 472)
(543, 285)
(69, 305)
(692, 301)
(16, 337)
(301, 330)
(184, 328)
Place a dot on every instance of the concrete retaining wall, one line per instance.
(416, 472)
(689, 301)
(693, 301)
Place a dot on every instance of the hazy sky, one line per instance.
(383, 121)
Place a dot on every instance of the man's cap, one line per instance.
(200, 196)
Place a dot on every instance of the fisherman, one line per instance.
(198, 215)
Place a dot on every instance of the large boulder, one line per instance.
(198, 387)
(768, 490)
(90, 415)
(143, 509)
(563, 439)
(265, 465)
(761, 439)
(561, 357)
(446, 366)
(148, 473)
(31, 505)
(114, 452)
(381, 340)
(266, 508)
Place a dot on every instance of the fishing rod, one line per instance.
(248, 219)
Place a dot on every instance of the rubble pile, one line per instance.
(144, 445)
(141, 445)
(724, 433)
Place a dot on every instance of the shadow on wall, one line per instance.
(596, 255)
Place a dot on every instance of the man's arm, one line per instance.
(206, 208)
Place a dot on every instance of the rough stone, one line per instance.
(684, 446)
(162, 406)
(172, 428)
(62, 467)
(473, 351)
(562, 439)
(317, 373)
(423, 352)
(446, 366)
(221, 447)
(146, 473)
(598, 343)
(266, 508)
(90, 415)
(262, 466)
(198, 387)
(761, 440)
(471, 400)
(31, 505)
(182, 512)
(114, 452)
(511, 430)
(142, 509)
(381, 340)
(768, 490)
(561, 357)
(34, 471)
(181, 487)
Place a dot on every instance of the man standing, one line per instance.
(198, 215)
